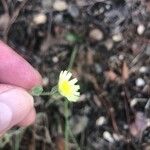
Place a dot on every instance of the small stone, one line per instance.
(73, 10)
(39, 19)
(147, 51)
(45, 81)
(98, 68)
(117, 37)
(108, 7)
(58, 18)
(140, 82)
(121, 57)
(125, 127)
(107, 136)
(117, 137)
(143, 69)
(96, 34)
(55, 59)
(148, 122)
(109, 44)
(100, 121)
(140, 29)
(133, 102)
(60, 5)
(46, 3)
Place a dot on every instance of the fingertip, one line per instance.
(15, 70)
(18, 100)
(5, 117)
(29, 119)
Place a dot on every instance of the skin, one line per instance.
(16, 78)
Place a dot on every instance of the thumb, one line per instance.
(15, 107)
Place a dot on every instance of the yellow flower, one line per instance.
(67, 87)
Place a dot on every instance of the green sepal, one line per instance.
(37, 90)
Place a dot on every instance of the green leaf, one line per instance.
(37, 91)
(72, 37)
(54, 90)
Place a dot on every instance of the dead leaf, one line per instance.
(125, 71)
(60, 143)
(110, 75)
(90, 57)
(4, 20)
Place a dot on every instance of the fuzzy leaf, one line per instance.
(37, 91)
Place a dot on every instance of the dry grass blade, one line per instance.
(125, 71)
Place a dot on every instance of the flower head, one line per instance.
(67, 87)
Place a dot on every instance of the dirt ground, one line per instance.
(111, 39)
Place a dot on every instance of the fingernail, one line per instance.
(5, 116)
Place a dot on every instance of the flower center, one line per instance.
(65, 88)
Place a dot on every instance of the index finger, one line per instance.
(15, 70)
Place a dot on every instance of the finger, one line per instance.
(5, 116)
(15, 70)
(29, 119)
(15, 105)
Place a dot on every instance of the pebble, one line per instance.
(98, 68)
(117, 37)
(125, 127)
(39, 19)
(60, 5)
(73, 10)
(109, 44)
(46, 3)
(140, 29)
(121, 57)
(140, 82)
(58, 18)
(133, 102)
(55, 59)
(148, 122)
(107, 136)
(117, 137)
(147, 51)
(45, 81)
(143, 69)
(96, 34)
(108, 7)
(100, 121)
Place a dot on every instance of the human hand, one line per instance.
(16, 76)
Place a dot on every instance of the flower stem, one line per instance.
(66, 124)
(74, 139)
(73, 55)
(45, 94)
(72, 59)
